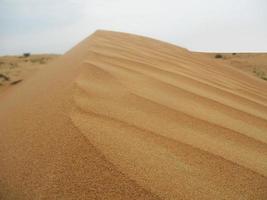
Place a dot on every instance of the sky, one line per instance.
(55, 26)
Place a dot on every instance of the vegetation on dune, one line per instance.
(26, 54)
(38, 60)
(218, 56)
(13, 65)
(260, 74)
(4, 77)
(15, 82)
(14, 69)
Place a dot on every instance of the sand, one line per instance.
(251, 63)
(122, 116)
(16, 69)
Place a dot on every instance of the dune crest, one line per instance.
(143, 102)
(136, 118)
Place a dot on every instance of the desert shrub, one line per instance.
(13, 64)
(34, 60)
(38, 60)
(233, 54)
(42, 62)
(218, 56)
(260, 74)
(26, 54)
(15, 82)
(2, 76)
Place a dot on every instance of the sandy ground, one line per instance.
(15, 69)
(121, 116)
(251, 63)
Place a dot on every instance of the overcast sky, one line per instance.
(54, 26)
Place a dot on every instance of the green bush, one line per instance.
(26, 54)
(218, 56)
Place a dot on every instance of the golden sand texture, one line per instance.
(127, 117)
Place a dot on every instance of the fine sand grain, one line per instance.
(127, 117)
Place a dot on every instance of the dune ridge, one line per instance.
(137, 119)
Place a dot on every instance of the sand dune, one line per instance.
(127, 117)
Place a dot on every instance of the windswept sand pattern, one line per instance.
(122, 116)
(179, 125)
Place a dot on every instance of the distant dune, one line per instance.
(121, 116)
(251, 63)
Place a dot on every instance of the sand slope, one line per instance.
(127, 117)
